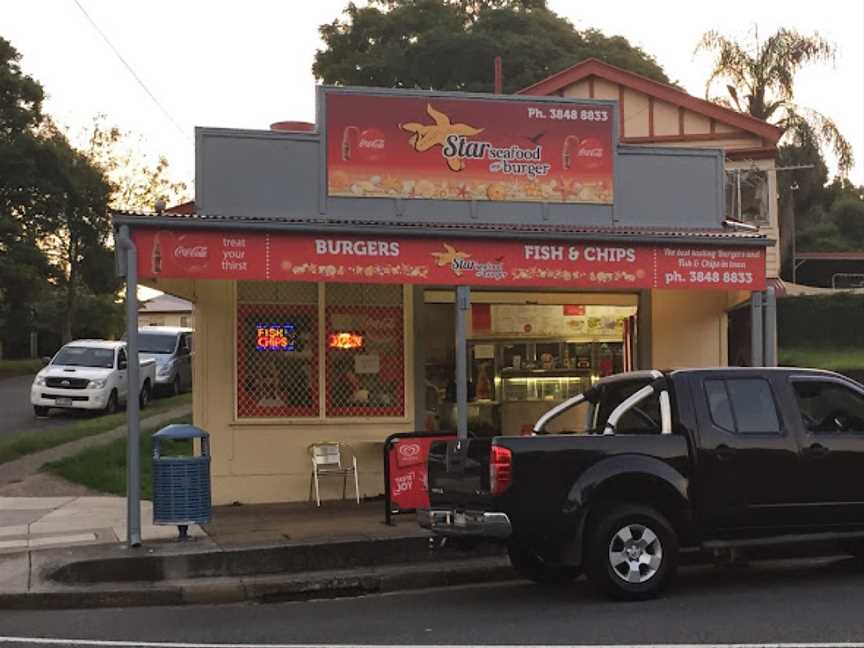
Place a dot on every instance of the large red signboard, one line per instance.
(351, 259)
(449, 148)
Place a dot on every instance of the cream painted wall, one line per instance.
(689, 328)
(267, 461)
(166, 319)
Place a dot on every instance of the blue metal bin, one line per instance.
(181, 485)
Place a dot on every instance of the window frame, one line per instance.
(792, 379)
(408, 397)
(725, 378)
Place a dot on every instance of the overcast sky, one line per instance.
(247, 64)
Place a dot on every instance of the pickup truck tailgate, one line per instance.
(459, 474)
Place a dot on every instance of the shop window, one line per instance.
(364, 350)
(277, 350)
(751, 203)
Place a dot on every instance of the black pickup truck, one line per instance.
(717, 459)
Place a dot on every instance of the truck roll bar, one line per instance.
(638, 397)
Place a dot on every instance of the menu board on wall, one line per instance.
(539, 320)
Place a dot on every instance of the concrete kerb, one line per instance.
(265, 589)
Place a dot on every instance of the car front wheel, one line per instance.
(40, 410)
(632, 552)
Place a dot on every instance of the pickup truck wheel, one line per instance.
(145, 396)
(530, 565)
(111, 407)
(40, 410)
(632, 552)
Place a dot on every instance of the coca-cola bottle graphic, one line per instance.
(570, 142)
(349, 140)
(156, 257)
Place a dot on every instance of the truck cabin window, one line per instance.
(828, 407)
(643, 418)
(742, 405)
(76, 356)
(156, 343)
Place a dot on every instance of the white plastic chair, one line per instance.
(327, 459)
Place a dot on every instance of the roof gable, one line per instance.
(556, 84)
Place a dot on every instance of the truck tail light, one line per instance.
(500, 469)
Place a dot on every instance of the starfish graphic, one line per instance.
(449, 256)
(462, 191)
(565, 187)
(426, 136)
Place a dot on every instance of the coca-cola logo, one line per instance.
(372, 144)
(191, 252)
(592, 152)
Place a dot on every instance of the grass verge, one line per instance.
(35, 440)
(834, 359)
(104, 468)
(11, 368)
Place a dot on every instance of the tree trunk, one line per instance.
(71, 292)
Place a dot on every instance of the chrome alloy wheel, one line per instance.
(635, 553)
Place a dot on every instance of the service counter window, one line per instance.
(277, 350)
(364, 351)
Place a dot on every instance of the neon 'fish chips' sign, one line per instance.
(276, 337)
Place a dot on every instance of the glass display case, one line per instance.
(543, 385)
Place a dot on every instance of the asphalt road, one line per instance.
(802, 601)
(17, 412)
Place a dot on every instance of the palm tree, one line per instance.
(760, 80)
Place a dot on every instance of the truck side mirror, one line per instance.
(46, 360)
(121, 364)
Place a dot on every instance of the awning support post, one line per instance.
(133, 459)
(756, 328)
(463, 303)
(770, 327)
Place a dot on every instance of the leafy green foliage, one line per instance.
(451, 45)
(57, 275)
(822, 322)
(759, 78)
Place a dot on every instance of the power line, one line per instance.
(132, 72)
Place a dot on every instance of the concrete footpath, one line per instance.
(257, 553)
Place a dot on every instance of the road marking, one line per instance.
(173, 644)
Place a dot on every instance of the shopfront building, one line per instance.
(329, 272)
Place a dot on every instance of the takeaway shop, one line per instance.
(432, 261)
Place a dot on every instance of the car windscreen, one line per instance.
(156, 343)
(79, 356)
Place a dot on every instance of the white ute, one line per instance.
(91, 375)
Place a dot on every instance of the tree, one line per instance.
(136, 185)
(451, 45)
(760, 81)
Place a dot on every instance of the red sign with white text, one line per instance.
(406, 459)
(351, 259)
(447, 148)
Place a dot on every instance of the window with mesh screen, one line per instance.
(277, 350)
(364, 350)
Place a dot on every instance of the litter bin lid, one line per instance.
(181, 431)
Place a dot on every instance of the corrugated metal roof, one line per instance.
(395, 227)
